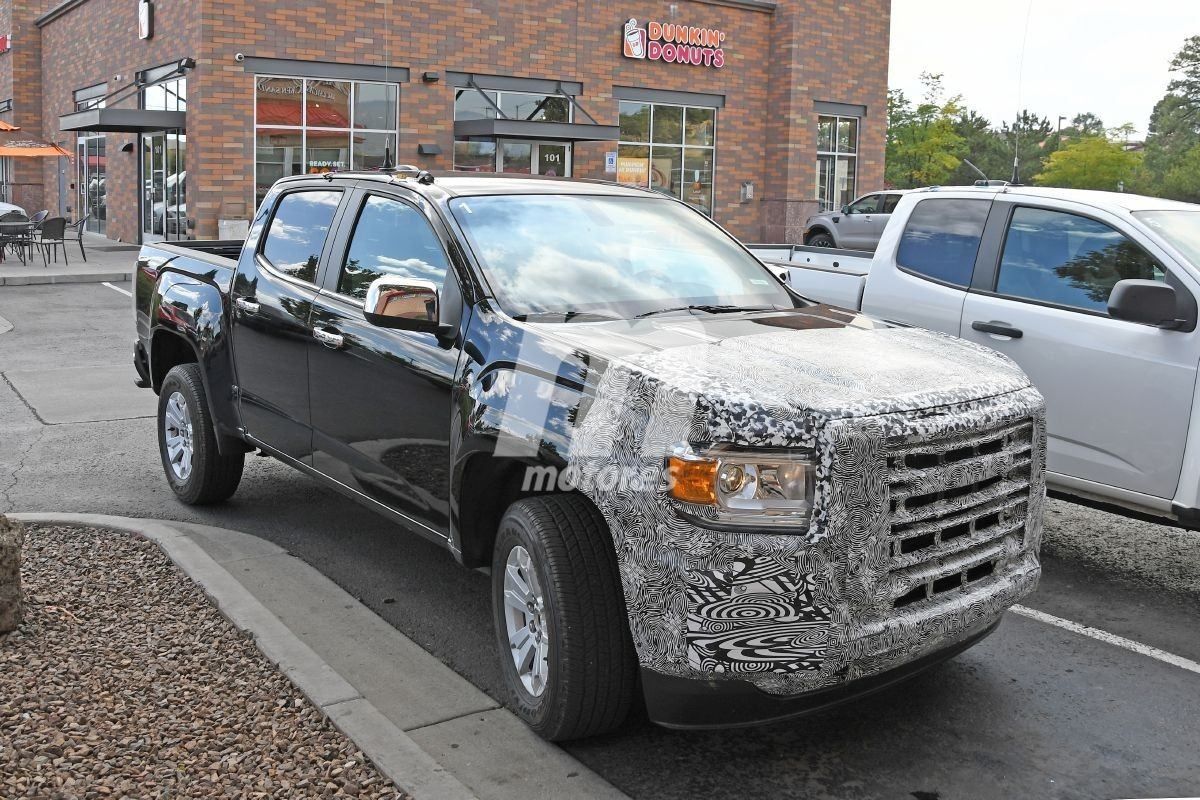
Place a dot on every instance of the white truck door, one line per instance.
(1118, 394)
(925, 261)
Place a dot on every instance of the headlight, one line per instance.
(745, 486)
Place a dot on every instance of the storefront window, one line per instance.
(309, 126)
(475, 156)
(837, 161)
(524, 156)
(92, 164)
(670, 149)
(166, 96)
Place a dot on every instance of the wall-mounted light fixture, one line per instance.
(429, 149)
(430, 77)
(127, 147)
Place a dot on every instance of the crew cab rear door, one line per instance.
(1119, 394)
(271, 299)
(381, 398)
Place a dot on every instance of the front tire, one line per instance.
(820, 240)
(565, 649)
(187, 442)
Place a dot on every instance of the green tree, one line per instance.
(1186, 66)
(1033, 139)
(923, 148)
(1086, 124)
(983, 146)
(1091, 162)
(1182, 180)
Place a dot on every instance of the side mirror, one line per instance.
(408, 304)
(1144, 302)
(845, 209)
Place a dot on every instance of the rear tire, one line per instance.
(187, 441)
(820, 240)
(573, 617)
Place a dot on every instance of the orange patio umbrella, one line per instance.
(31, 148)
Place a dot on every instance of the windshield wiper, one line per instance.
(711, 309)
(564, 316)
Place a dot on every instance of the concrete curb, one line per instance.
(391, 750)
(83, 277)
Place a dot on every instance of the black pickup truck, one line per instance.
(691, 485)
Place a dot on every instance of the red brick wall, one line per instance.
(98, 43)
(778, 64)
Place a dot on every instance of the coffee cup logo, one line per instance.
(635, 40)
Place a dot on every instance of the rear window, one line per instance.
(941, 239)
(297, 234)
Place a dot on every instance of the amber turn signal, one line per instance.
(693, 480)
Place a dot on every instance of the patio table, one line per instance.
(15, 231)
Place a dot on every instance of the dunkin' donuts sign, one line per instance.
(680, 44)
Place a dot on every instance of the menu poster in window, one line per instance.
(635, 171)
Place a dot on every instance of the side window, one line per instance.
(941, 239)
(866, 205)
(1068, 260)
(889, 203)
(297, 234)
(390, 238)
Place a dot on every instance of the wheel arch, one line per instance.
(819, 229)
(491, 484)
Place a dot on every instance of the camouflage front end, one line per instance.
(925, 526)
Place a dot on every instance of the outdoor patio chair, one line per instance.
(51, 236)
(79, 227)
(39, 217)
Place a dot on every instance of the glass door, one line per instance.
(164, 187)
(552, 159)
(92, 177)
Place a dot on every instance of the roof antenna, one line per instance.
(387, 165)
(1016, 173)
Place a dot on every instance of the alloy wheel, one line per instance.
(526, 621)
(177, 435)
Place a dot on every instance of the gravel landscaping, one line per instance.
(124, 680)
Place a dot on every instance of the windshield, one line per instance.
(589, 256)
(1180, 229)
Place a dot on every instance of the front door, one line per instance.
(272, 306)
(164, 186)
(857, 226)
(1118, 394)
(551, 159)
(381, 397)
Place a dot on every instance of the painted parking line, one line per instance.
(1109, 638)
(125, 292)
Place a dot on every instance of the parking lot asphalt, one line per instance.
(1033, 711)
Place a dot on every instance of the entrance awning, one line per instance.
(534, 129)
(123, 120)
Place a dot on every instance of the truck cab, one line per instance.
(1094, 295)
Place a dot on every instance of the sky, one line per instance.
(1102, 56)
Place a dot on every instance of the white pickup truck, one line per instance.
(1093, 294)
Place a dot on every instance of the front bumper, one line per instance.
(686, 703)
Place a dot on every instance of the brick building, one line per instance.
(182, 112)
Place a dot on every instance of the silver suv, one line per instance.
(857, 226)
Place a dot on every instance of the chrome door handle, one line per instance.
(330, 340)
(248, 306)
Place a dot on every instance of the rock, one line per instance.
(12, 538)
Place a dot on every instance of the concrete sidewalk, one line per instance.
(429, 730)
(106, 261)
